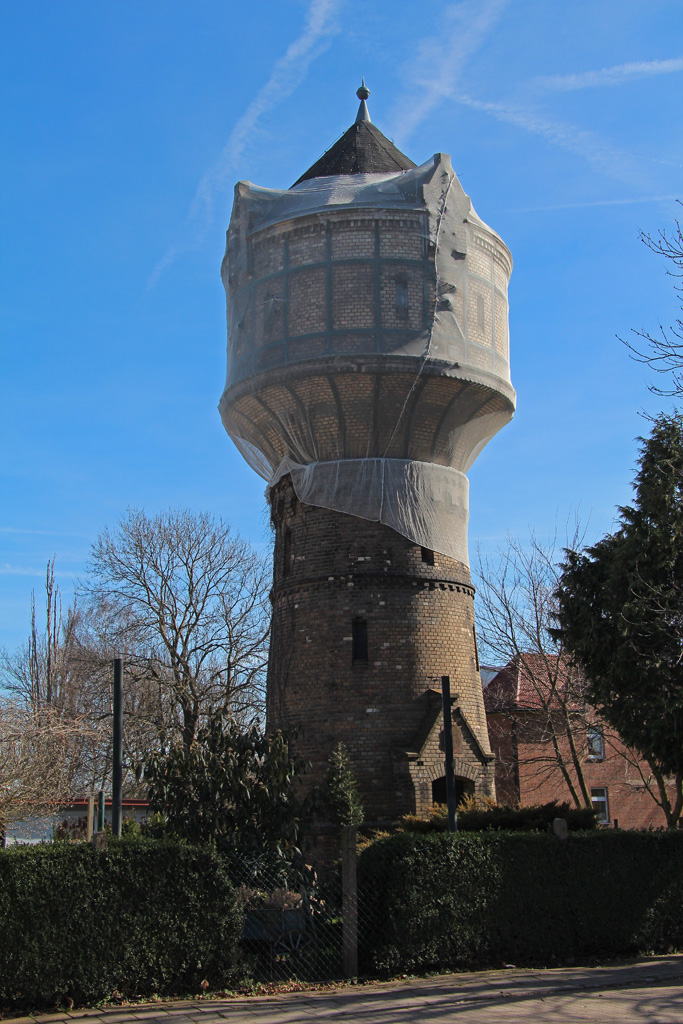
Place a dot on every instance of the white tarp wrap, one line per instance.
(427, 504)
(462, 337)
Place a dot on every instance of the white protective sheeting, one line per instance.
(428, 504)
(463, 337)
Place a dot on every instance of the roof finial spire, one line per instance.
(362, 95)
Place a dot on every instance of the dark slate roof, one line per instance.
(361, 150)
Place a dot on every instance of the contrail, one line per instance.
(286, 75)
(441, 61)
(616, 75)
(435, 75)
(596, 202)
(587, 144)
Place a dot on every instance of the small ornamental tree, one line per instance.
(236, 790)
(341, 789)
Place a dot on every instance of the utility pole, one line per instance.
(117, 754)
(448, 748)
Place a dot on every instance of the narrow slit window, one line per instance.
(476, 648)
(359, 634)
(427, 556)
(287, 554)
(401, 297)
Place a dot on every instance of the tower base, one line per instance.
(365, 624)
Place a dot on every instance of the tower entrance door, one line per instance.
(462, 788)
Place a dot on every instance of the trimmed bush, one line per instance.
(533, 818)
(139, 916)
(442, 902)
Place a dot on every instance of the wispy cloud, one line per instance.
(587, 144)
(38, 533)
(616, 75)
(435, 76)
(441, 60)
(289, 70)
(20, 570)
(596, 202)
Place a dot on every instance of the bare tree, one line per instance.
(186, 603)
(39, 755)
(663, 351)
(515, 614)
(45, 731)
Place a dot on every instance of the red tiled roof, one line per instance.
(530, 682)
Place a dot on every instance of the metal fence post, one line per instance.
(100, 811)
(448, 750)
(91, 817)
(117, 756)
(349, 901)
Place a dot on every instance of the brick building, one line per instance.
(368, 365)
(541, 728)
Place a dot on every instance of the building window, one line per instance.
(359, 635)
(476, 649)
(427, 556)
(595, 743)
(600, 804)
(287, 553)
(401, 297)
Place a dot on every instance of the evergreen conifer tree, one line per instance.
(341, 789)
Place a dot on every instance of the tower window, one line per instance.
(427, 556)
(401, 297)
(476, 649)
(287, 553)
(359, 636)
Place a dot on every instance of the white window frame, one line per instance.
(595, 732)
(596, 799)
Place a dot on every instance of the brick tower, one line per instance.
(367, 367)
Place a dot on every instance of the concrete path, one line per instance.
(626, 993)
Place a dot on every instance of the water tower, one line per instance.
(368, 365)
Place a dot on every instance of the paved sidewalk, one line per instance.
(627, 993)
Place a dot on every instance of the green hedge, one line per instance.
(140, 917)
(532, 818)
(442, 902)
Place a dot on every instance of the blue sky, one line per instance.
(125, 126)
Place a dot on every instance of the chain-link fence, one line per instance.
(298, 924)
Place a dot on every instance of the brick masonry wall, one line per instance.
(329, 570)
(524, 775)
(333, 276)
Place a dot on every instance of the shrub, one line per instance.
(141, 917)
(340, 791)
(444, 902)
(474, 816)
(237, 790)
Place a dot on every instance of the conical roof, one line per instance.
(362, 149)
